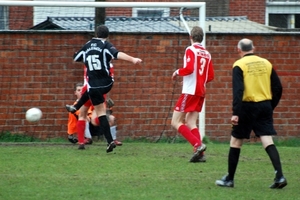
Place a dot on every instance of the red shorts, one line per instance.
(189, 103)
(88, 103)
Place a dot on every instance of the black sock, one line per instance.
(94, 130)
(275, 159)
(84, 98)
(233, 159)
(105, 128)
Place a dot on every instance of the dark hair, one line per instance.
(197, 34)
(102, 31)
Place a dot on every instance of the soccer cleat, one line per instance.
(72, 139)
(88, 141)
(279, 183)
(110, 147)
(118, 143)
(81, 147)
(224, 182)
(197, 155)
(71, 108)
(202, 158)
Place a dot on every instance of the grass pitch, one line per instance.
(137, 171)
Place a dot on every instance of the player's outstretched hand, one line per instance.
(174, 75)
(124, 56)
(137, 61)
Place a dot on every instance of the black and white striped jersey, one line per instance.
(96, 54)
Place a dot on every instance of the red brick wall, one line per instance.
(37, 71)
(254, 9)
(21, 17)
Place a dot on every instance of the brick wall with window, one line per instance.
(254, 9)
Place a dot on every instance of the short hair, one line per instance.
(245, 45)
(197, 34)
(102, 31)
(78, 85)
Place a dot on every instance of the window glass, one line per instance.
(278, 20)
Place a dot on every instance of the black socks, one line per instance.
(275, 159)
(105, 128)
(94, 130)
(233, 159)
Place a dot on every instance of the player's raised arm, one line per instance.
(126, 57)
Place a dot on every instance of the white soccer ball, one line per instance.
(33, 114)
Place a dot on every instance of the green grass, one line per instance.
(137, 171)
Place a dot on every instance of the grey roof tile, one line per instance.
(239, 24)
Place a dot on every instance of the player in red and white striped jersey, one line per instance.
(197, 70)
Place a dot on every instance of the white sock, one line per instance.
(87, 132)
(113, 131)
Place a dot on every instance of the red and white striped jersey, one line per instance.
(197, 70)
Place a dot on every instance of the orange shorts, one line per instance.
(189, 103)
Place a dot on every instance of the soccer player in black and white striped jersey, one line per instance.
(96, 54)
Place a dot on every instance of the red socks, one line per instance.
(196, 133)
(188, 135)
(80, 131)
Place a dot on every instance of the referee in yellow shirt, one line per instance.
(256, 92)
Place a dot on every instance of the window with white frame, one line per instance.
(3, 17)
(150, 12)
(283, 14)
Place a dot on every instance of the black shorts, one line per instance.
(96, 95)
(256, 116)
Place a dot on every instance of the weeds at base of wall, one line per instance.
(292, 142)
(6, 136)
(176, 139)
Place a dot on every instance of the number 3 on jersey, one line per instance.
(202, 65)
(93, 62)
